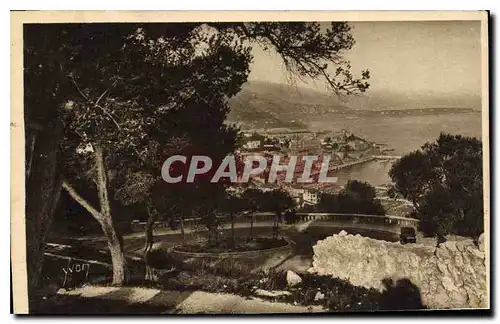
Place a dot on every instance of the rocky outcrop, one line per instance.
(480, 242)
(450, 276)
(292, 279)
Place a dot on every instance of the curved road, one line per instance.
(305, 235)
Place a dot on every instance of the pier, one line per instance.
(361, 161)
(386, 157)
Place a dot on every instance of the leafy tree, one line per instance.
(121, 91)
(277, 201)
(115, 106)
(291, 215)
(307, 208)
(413, 175)
(444, 181)
(309, 51)
(43, 134)
(252, 199)
(356, 197)
(123, 103)
(327, 203)
(436, 212)
(43, 182)
(232, 204)
(360, 190)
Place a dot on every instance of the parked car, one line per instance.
(408, 235)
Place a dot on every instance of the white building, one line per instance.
(252, 145)
(303, 196)
(310, 197)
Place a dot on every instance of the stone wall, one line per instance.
(450, 276)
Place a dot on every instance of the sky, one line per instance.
(426, 57)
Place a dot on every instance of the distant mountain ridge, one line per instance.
(262, 104)
(265, 104)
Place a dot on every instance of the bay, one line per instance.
(403, 134)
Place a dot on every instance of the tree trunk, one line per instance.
(251, 227)
(276, 226)
(415, 204)
(210, 235)
(116, 250)
(232, 231)
(115, 243)
(149, 276)
(43, 186)
(182, 231)
(30, 149)
(114, 240)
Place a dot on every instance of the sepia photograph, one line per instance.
(250, 162)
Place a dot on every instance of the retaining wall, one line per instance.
(450, 276)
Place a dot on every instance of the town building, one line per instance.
(252, 141)
(302, 196)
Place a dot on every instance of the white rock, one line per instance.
(319, 296)
(272, 293)
(342, 233)
(292, 278)
(480, 242)
(451, 276)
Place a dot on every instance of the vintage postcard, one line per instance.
(249, 162)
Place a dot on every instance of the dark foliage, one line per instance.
(341, 296)
(138, 92)
(444, 180)
(226, 245)
(357, 197)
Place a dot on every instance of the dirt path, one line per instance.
(164, 301)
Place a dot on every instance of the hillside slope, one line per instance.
(272, 105)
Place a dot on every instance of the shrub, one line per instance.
(339, 295)
(225, 245)
(444, 181)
